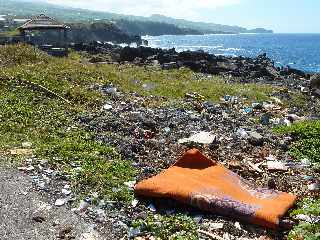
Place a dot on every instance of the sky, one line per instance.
(296, 16)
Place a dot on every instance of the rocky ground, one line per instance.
(236, 131)
(241, 138)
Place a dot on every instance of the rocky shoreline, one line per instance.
(259, 69)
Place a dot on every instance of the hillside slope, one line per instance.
(26, 8)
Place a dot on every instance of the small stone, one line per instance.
(257, 106)
(66, 192)
(26, 144)
(38, 219)
(107, 107)
(242, 133)
(60, 202)
(216, 226)
(134, 203)
(133, 232)
(303, 217)
(272, 184)
(83, 206)
(26, 169)
(130, 184)
(314, 187)
(237, 225)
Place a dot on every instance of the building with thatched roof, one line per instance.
(42, 23)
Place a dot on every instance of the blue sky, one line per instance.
(279, 15)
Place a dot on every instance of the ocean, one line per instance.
(301, 51)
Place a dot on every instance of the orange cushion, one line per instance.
(201, 182)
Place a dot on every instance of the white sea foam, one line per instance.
(230, 49)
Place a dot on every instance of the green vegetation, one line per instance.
(307, 145)
(176, 227)
(31, 113)
(306, 231)
(176, 83)
(10, 33)
(28, 114)
(308, 136)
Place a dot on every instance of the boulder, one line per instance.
(315, 81)
(255, 138)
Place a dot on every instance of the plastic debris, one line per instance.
(243, 134)
(277, 165)
(201, 137)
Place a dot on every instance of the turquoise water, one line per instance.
(301, 51)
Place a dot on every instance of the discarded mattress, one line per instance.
(198, 181)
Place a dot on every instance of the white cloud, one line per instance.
(175, 8)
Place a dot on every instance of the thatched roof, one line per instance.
(42, 22)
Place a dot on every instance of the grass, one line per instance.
(306, 231)
(30, 115)
(10, 33)
(307, 135)
(176, 83)
(307, 145)
(175, 227)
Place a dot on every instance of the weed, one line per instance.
(175, 227)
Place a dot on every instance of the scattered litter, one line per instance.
(277, 165)
(83, 206)
(149, 86)
(314, 187)
(255, 166)
(257, 106)
(201, 137)
(198, 218)
(152, 208)
(306, 162)
(248, 110)
(211, 235)
(265, 119)
(242, 133)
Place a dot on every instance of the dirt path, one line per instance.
(25, 214)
